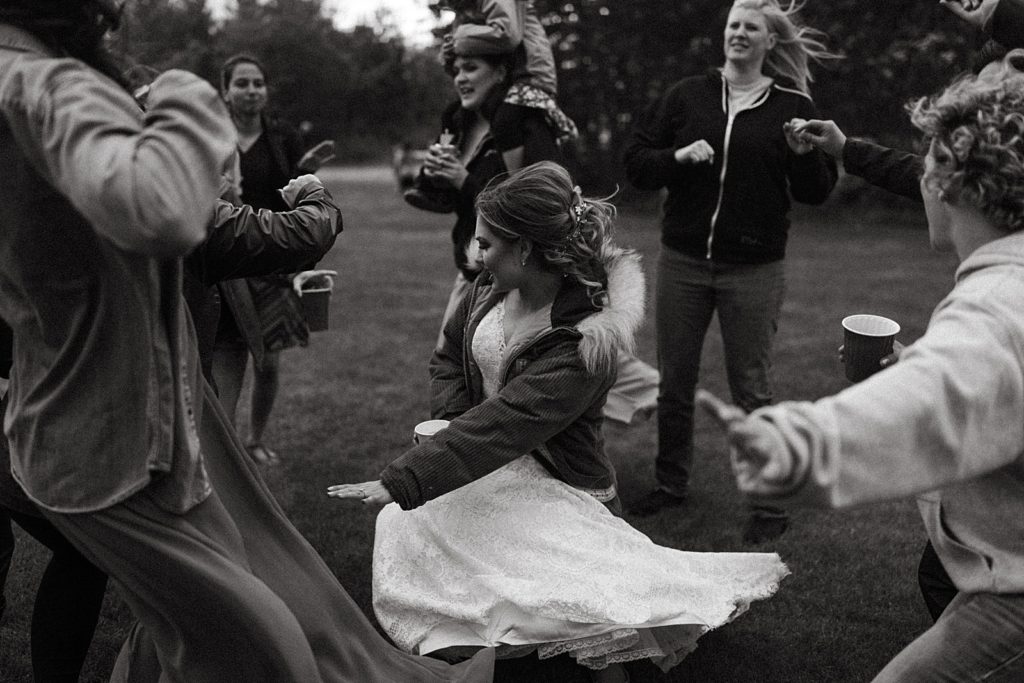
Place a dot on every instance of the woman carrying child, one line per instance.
(526, 121)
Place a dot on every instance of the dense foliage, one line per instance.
(368, 89)
(364, 88)
(615, 55)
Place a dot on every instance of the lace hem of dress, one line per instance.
(592, 646)
(599, 652)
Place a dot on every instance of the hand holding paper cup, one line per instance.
(425, 431)
(867, 339)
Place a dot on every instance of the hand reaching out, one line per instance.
(369, 492)
(825, 135)
(696, 153)
(974, 12)
(755, 453)
(796, 140)
(319, 155)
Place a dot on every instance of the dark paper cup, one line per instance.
(867, 339)
(314, 290)
(316, 306)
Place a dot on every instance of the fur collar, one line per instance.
(613, 328)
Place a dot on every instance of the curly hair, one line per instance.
(975, 127)
(570, 234)
(796, 45)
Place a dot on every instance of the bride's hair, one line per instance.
(570, 234)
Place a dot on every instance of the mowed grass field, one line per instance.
(349, 400)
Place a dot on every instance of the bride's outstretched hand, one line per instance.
(369, 492)
(756, 458)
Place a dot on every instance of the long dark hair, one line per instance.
(75, 28)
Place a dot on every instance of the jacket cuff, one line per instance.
(854, 152)
(665, 162)
(398, 488)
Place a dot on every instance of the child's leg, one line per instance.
(430, 195)
(509, 131)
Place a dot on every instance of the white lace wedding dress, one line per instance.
(519, 560)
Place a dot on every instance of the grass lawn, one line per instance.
(348, 403)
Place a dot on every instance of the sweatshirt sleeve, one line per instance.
(813, 175)
(649, 156)
(502, 33)
(148, 183)
(889, 169)
(549, 395)
(948, 411)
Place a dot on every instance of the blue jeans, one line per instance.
(748, 299)
(980, 637)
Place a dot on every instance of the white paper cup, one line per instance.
(425, 431)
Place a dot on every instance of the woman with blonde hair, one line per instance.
(944, 423)
(722, 145)
(505, 533)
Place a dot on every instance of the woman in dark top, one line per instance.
(721, 143)
(470, 159)
(261, 316)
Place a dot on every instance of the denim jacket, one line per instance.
(549, 401)
(100, 205)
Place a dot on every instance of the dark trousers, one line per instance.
(6, 553)
(937, 588)
(67, 604)
(689, 291)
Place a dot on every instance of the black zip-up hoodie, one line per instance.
(734, 210)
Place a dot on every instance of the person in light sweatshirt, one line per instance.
(945, 423)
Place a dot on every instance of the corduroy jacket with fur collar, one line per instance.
(550, 397)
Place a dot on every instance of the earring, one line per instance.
(523, 261)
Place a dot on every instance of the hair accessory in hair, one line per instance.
(577, 212)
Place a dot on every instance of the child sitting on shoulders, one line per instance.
(503, 27)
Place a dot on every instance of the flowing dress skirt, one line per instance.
(344, 644)
(519, 560)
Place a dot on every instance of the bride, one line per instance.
(505, 533)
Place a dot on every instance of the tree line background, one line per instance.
(368, 90)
